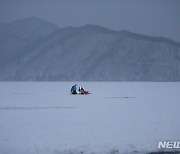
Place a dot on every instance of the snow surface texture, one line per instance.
(43, 118)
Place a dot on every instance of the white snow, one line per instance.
(117, 117)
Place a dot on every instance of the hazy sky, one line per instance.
(151, 17)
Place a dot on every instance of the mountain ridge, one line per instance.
(90, 53)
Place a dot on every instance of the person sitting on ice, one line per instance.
(81, 90)
(73, 89)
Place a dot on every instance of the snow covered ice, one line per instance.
(117, 117)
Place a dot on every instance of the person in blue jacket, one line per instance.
(73, 89)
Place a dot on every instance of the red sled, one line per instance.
(86, 92)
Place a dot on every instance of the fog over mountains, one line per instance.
(35, 50)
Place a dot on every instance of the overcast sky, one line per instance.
(150, 17)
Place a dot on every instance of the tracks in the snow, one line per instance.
(35, 108)
(120, 97)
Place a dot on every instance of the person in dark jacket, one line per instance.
(81, 90)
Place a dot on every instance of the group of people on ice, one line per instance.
(80, 90)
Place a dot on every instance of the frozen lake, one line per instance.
(117, 117)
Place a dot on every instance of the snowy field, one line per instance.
(117, 117)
